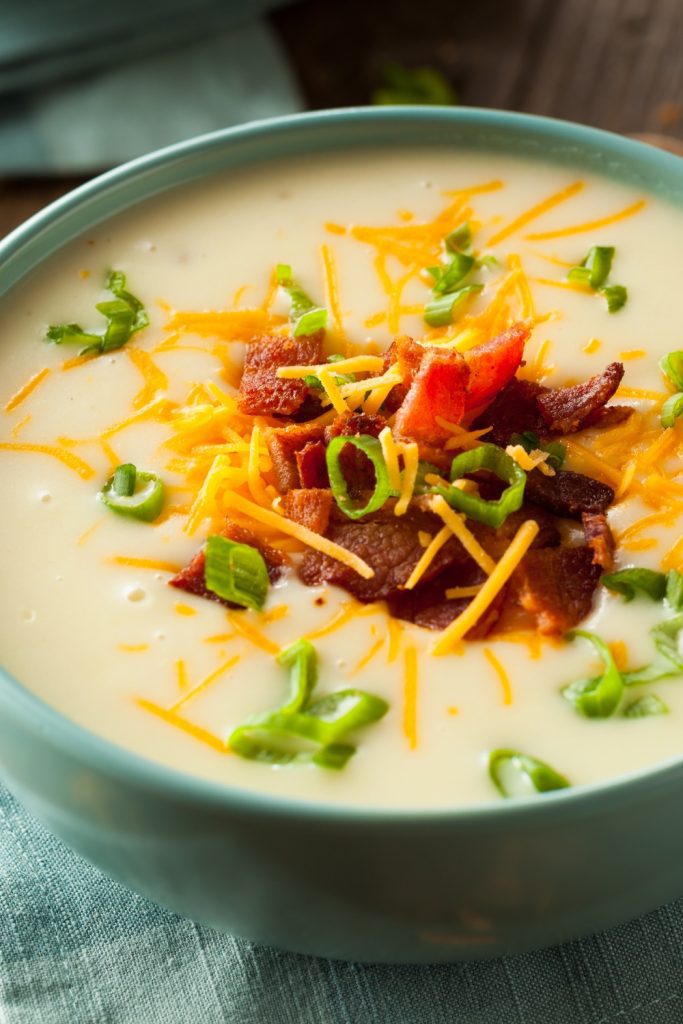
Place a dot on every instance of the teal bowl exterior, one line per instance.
(358, 884)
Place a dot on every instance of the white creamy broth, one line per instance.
(94, 636)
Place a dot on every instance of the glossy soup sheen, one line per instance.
(88, 621)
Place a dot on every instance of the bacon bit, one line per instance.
(566, 410)
(556, 586)
(599, 538)
(438, 390)
(262, 392)
(493, 363)
(536, 211)
(502, 675)
(28, 388)
(310, 506)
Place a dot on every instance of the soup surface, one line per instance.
(88, 620)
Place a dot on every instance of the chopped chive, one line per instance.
(646, 706)
(133, 493)
(460, 239)
(600, 696)
(124, 480)
(304, 315)
(616, 296)
(674, 590)
(440, 312)
(494, 459)
(236, 572)
(301, 731)
(672, 367)
(446, 279)
(669, 662)
(124, 314)
(672, 409)
(370, 447)
(516, 775)
(628, 582)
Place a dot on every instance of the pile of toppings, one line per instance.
(448, 502)
(430, 479)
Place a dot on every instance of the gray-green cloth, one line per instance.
(77, 948)
(84, 86)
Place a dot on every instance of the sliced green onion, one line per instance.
(628, 582)
(645, 706)
(371, 447)
(124, 314)
(301, 659)
(598, 697)
(672, 366)
(494, 459)
(674, 590)
(446, 279)
(595, 266)
(123, 482)
(531, 442)
(516, 775)
(616, 296)
(672, 409)
(144, 501)
(301, 731)
(440, 312)
(236, 572)
(460, 239)
(414, 86)
(304, 315)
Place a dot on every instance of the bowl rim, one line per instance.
(68, 737)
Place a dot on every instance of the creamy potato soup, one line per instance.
(311, 471)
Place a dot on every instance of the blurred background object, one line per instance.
(85, 86)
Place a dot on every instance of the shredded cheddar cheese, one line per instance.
(27, 389)
(433, 548)
(456, 525)
(490, 589)
(591, 225)
(85, 471)
(411, 458)
(410, 696)
(302, 533)
(501, 673)
(354, 364)
(172, 718)
(535, 212)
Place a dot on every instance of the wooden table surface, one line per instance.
(617, 64)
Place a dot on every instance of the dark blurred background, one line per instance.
(616, 64)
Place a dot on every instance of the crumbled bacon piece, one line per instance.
(350, 423)
(568, 494)
(607, 417)
(191, 578)
(311, 465)
(309, 506)
(513, 411)
(389, 544)
(262, 392)
(493, 364)
(599, 538)
(565, 410)
(407, 354)
(556, 586)
(284, 443)
(428, 606)
(438, 390)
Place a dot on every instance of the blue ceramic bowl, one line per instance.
(354, 884)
